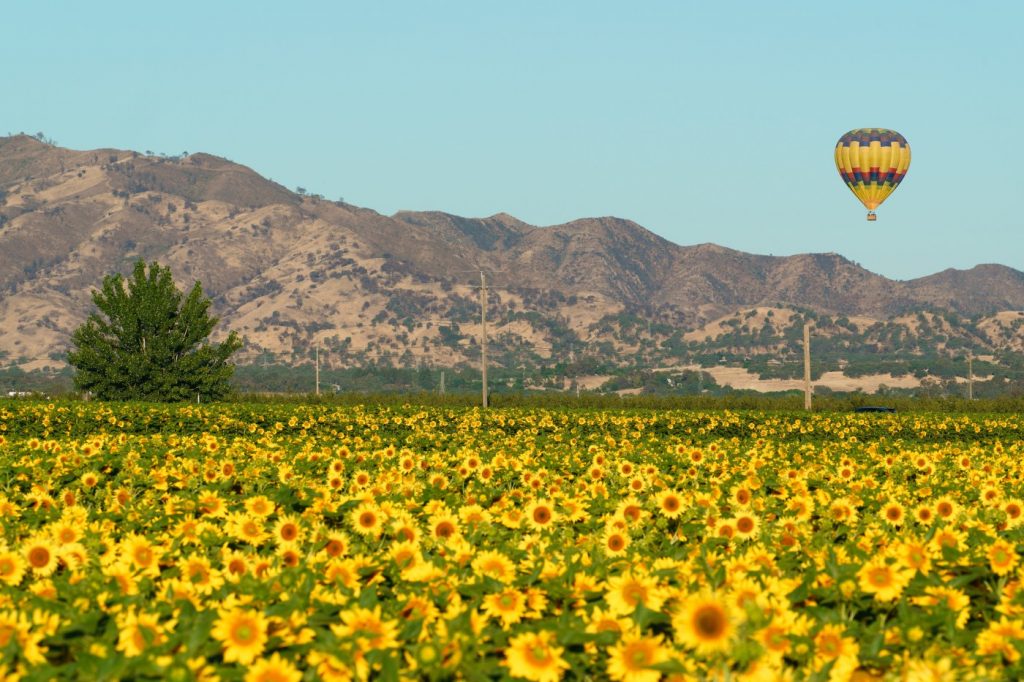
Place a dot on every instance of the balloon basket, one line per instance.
(872, 217)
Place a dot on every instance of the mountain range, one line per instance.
(290, 271)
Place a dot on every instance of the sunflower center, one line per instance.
(39, 557)
(634, 594)
(541, 515)
(829, 646)
(638, 656)
(745, 524)
(709, 622)
(538, 655)
(879, 577)
(243, 633)
(776, 639)
(507, 601)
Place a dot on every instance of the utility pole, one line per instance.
(807, 365)
(970, 376)
(318, 368)
(442, 382)
(483, 335)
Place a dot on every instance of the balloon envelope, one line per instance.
(872, 163)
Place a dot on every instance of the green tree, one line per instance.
(147, 342)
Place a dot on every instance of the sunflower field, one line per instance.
(281, 543)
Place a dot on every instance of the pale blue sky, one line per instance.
(702, 121)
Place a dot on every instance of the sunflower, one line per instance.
(273, 669)
(630, 509)
(1002, 557)
(842, 511)
(744, 590)
(892, 513)
(924, 514)
(41, 555)
(444, 525)
(17, 628)
(775, 637)
(138, 632)
(1008, 600)
(418, 607)
(12, 567)
(64, 532)
(369, 629)
(337, 545)
(574, 510)
(533, 656)
(246, 528)
(830, 645)
(287, 529)
(740, 496)
(260, 506)
(235, 563)
(367, 519)
(946, 507)
(1014, 510)
(494, 564)
(242, 634)
(746, 525)
(540, 514)
(951, 598)
(604, 621)
(704, 623)
(200, 574)
(473, 515)
(290, 554)
(632, 658)
(724, 528)
(406, 555)
(636, 484)
(210, 504)
(915, 555)
(361, 478)
(999, 637)
(884, 581)
(628, 591)
(670, 504)
(800, 506)
(948, 539)
(341, 571)
(123, 574)
(509, 605)
(614, 541)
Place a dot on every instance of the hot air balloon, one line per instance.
(872, 163)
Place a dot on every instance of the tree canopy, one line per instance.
(149, 342)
